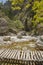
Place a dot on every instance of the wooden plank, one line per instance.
(28, 55)
(41, 54)
(32, 54)
(9, 54)
(17, 55)
(1, 55)
(12, 54)
(36, 55)
(21, 55)
(24, 56)
(15, 52)
(4, 54)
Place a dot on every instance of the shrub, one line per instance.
(16, 24)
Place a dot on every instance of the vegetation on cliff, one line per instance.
(23, 15)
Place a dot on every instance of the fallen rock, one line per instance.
(19, 36)
(40, 29)
(6, 38)
(23, 33)
(41, 38)
(14, 31)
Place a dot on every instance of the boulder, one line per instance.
(41, 38)
(3, 26)
(39, 44)
(13, 31)
(40, 29)
(23, 33)
(20, 34)
(6, 38)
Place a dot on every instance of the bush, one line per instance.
(16, 25)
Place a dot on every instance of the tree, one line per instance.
(22, 8)
(16, 4)
(38, 10)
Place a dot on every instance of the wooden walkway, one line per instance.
(25, 57)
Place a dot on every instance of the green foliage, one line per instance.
(38, 10)
(16, 3)
(16, 8)
(27, 5)
(16, 24)
(2, 14)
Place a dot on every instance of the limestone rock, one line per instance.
(6, 38)
(20, 34)
(39, 29)
(3, 26)
(41, 38)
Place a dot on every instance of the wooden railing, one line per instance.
(19, 57)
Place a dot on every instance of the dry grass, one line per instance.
(20, 45)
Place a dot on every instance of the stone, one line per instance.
(13, 31)
(41, 38)
(3, 26)
(6, 38)
(23, 33)
(40, 29)
(20, 34)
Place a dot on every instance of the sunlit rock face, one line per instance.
(3, 26)
(40, 29)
